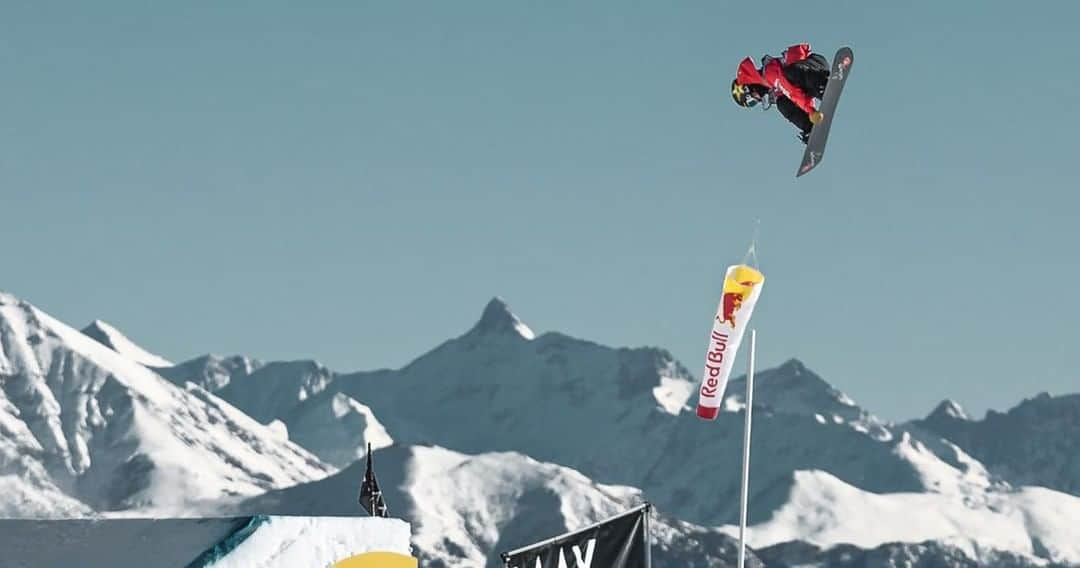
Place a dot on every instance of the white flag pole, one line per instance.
(746, 449)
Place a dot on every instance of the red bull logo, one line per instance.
(738, 286)
(731, 302)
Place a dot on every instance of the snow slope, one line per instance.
(1031, 522)
(889, 555)
(466, 509)
(33, 495)
(332, 425)
(292, 542)
(265, 391)
(623, 417)
(274, 389)
(111, 337)
(83, 419)
(337, 428)
(210, 372)
(825, 470)
(1035, 443)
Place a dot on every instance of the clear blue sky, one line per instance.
(352, 181)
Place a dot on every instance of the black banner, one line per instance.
(619, 542)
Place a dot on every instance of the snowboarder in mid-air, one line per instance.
(791, 82)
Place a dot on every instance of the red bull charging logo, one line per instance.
(741, 285)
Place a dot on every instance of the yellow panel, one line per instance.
(378, 560)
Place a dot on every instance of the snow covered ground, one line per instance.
(301, 542)
(823, 510)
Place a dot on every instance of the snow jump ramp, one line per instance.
(265, 541)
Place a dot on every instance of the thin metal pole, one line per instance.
(746, 449)
(648, 545)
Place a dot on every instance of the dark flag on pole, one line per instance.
(619, 542)
(371, 497)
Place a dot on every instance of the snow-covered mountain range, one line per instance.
(621, 416)
(1035, 443)
(84, 427)
(502, 436)
(462, 507)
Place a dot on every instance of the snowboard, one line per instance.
(815, 147)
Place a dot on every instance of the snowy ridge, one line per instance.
(1035, 443)
(949, 410)
(110, 337)
(479, 465)
(466, 509)
(338, 429)
(824, 510)
(494, 365)
(293, 396)
(272, 390)
(211, 372)
(631, 405)
(107, 431)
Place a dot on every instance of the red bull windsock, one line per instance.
(742, 286)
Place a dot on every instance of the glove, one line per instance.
(816, 116)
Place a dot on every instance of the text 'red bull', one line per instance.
(714, 358)
(742, 285)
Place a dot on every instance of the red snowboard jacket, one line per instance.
(772, 76)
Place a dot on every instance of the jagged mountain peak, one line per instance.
(1034, 443)
(948, 409)
(107, 335)
(498, 319)
(793, 388)
(100, 326)
(793, 366)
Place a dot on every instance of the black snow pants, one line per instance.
(811, 75)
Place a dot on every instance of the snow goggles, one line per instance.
(743, 96)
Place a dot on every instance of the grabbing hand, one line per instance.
(815, 117)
